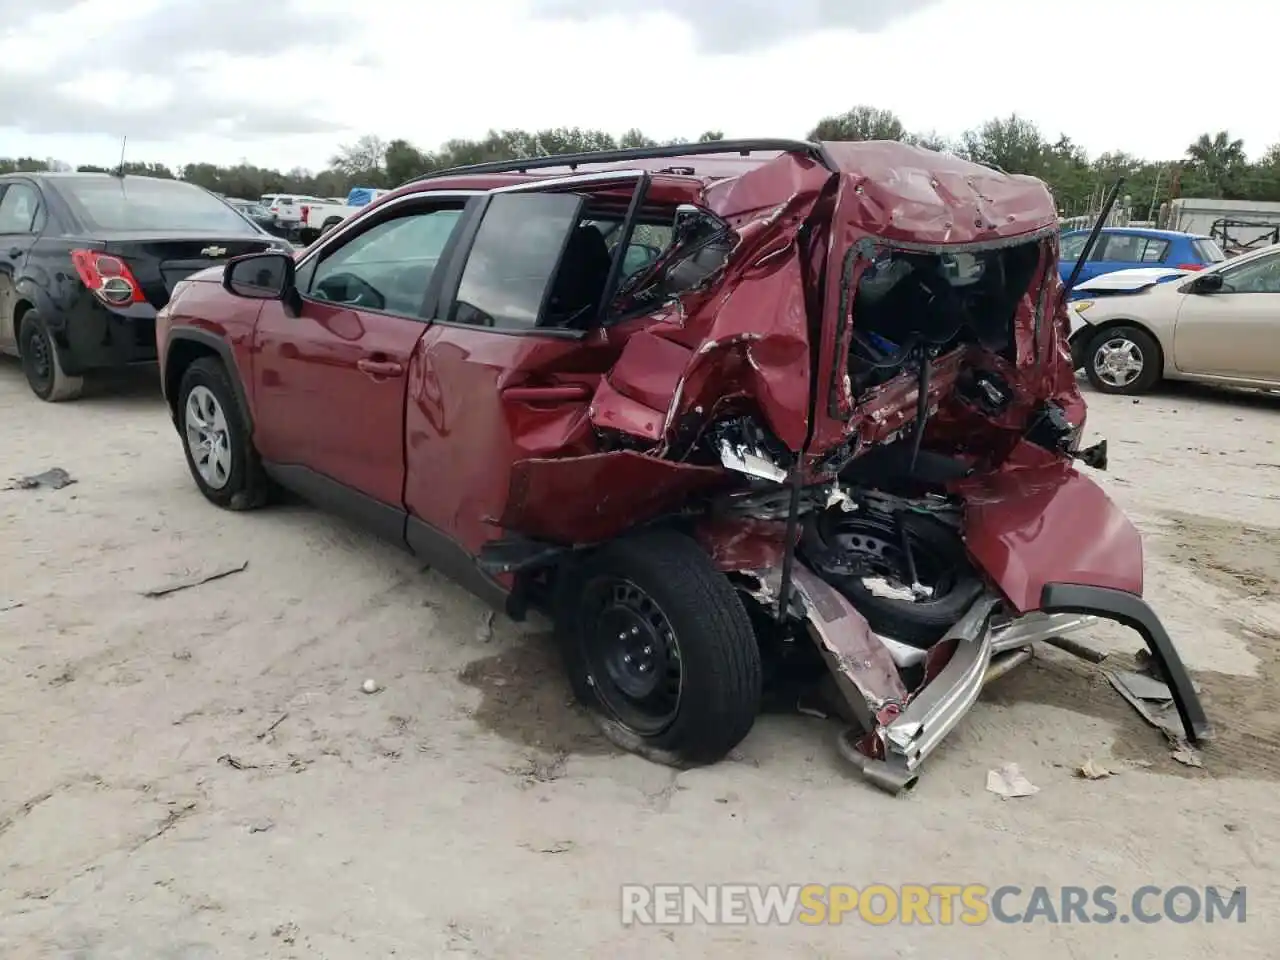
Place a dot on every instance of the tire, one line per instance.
(664, 585)
(939, 554)
(1141, 348)
(42, 363)
(205, 396)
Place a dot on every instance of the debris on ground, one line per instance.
(1009, 781)
(9, 605)
(195, 581)
(261, 826)
(484, 632)
(52, 479)
(370, 686)
(560, 846)
(1186, 754)
(1093, 770)
(1151, 698)
(236, 763)
(271, 729)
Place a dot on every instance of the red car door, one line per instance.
(508, 365)
(330, 382)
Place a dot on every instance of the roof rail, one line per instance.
(675, 151)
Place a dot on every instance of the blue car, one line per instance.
(1127, 248)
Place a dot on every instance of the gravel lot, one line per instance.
(200, 774)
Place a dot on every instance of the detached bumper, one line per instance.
(904, 732)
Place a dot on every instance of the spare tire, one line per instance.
(852, 551)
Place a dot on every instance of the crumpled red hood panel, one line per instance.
(910, 195)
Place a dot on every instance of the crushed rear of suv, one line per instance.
(746, 418)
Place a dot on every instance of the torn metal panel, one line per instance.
(1023, 527)
(863, 669)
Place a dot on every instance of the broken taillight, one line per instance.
(108, 278)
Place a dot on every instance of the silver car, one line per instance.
(1135, 328)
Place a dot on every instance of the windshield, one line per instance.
(143, 203)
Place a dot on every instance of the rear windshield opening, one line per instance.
(906, 299)
(143, 203)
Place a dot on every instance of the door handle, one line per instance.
(570, 391)
(379, 368)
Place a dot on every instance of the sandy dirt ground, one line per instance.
(200, 774)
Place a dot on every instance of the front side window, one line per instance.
(507, 281)
(1256, 276)
(389, 266)
(18, 206)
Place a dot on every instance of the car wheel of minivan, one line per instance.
(216, 438)
(42, 363)
(658, 643)
(1123, 360)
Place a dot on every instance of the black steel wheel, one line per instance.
(41, 363)
(633, 654)
(852, 551)
(658, 643)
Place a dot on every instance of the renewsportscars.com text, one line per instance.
(926, 904)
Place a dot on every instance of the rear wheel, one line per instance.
(217, 442)
(658, 642)
(42, 363)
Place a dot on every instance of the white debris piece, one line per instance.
(1009, 782)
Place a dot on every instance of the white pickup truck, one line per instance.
(318, 217)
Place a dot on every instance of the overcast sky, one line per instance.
(282, 82)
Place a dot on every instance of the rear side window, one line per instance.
(18, 205)
(142, 203)
(1155, 250)
(506, 283)
(1208, 250)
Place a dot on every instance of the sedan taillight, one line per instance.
(108, 278)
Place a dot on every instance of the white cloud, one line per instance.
(283, 85)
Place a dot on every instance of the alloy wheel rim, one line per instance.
(1118, 362)
(207, 437)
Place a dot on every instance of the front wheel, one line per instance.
(659, 644)
(216, 438)
(1124, 360)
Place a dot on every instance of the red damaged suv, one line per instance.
(741, 417)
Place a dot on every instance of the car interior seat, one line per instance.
(579, 284)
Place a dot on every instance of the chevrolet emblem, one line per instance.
(213, 252)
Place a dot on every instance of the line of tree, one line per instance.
(1214, 165)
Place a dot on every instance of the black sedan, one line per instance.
(86, 260)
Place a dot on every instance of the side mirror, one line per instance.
(259, 276)
(1207, 283)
